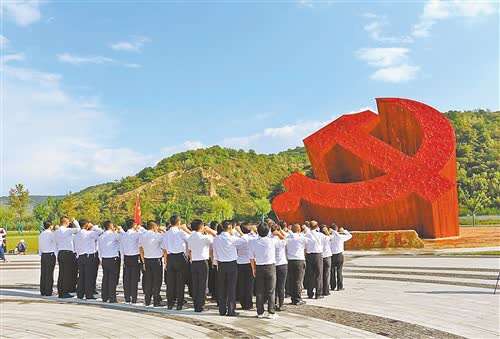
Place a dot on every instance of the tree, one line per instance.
(7, 217)
(69, 206)
(474, 194)
(19, 200)
(161, 211)
(263, 207)
(221, 209)
(89, 208)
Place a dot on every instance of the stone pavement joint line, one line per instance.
(379, 325)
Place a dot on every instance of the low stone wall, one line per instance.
(362, 240)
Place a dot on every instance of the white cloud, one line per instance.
(435, 10)
(375, 29)
(185, 146)
(135, 44)
(54, 142)
(396, 74)
(305, 3)
(384, 56)
(3, 41)
(78, 60)
(12, 57)
(22, 12)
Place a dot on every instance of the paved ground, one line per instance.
(385, 296)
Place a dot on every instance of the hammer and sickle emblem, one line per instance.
(391, 171)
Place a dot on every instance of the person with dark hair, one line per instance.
(151, 252)
(131, 261)
(227, 269)
(339, 236)
(177, 263)
(66, 257)
(295, 249)
(85, 248)
(48, 253)
(245, 283)
(199, 250)
(109, 252)
(314, 261)
(281, 266)
(327, 259)
(263, 254)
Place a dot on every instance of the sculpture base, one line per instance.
(363, 240)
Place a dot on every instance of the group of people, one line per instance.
(232, 261)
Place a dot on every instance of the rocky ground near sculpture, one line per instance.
(403, 296)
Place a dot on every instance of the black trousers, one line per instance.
(199, 277)
(96, 271)
(110, 276)
(314, 273)
(67, 263)
(152, 280)
(296, 270)
(131, 274)
(281, 273)
(244, 288)
(265, 283)
(47, 264)
(86, 275)
(177, 267)
(337, 280)
(227, 276)
(212, 279)
(327, 264)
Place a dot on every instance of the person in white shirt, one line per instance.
(85, 248)
(131, 261)
(295, 252)
(151, 252)
(245, 283)
(327, 259)
(109, 252)
(48, 253)
(339, 236)
(66, 258)
(199, 251)
(314, 261)
(263, 261)
(281, 265)
(227, 269)
(177, 263)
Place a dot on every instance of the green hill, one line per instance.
(216, 182)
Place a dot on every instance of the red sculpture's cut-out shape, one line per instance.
(392, 171)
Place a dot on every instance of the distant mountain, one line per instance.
(197, 183)
(34, 199)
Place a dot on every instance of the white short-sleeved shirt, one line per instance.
(337, 241)
(281, 252)
(199, 245)
(295, 246)
(225, 247)
(327, 246)
(47, 242)
(243, 250)
(109, 244)
(263, 250)
(85, 241)
(175, 240)
(314, 241)
(130, 241)
(64, 237)
(151, 242)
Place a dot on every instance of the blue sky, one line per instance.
(94, 91)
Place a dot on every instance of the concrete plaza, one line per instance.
(398, 296)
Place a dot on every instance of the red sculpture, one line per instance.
(391, 171)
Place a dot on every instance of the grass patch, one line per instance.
(30, 238)
(476, 253)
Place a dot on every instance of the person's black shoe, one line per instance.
(199, 309)
(112, 301)
(340, 289)
(179, 307)
(169, 307)
(318, 296)
(91, 298)
(325, 294)
(280, 308)
(66, 296)
(233, 314)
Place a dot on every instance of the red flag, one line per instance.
(137, 211)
